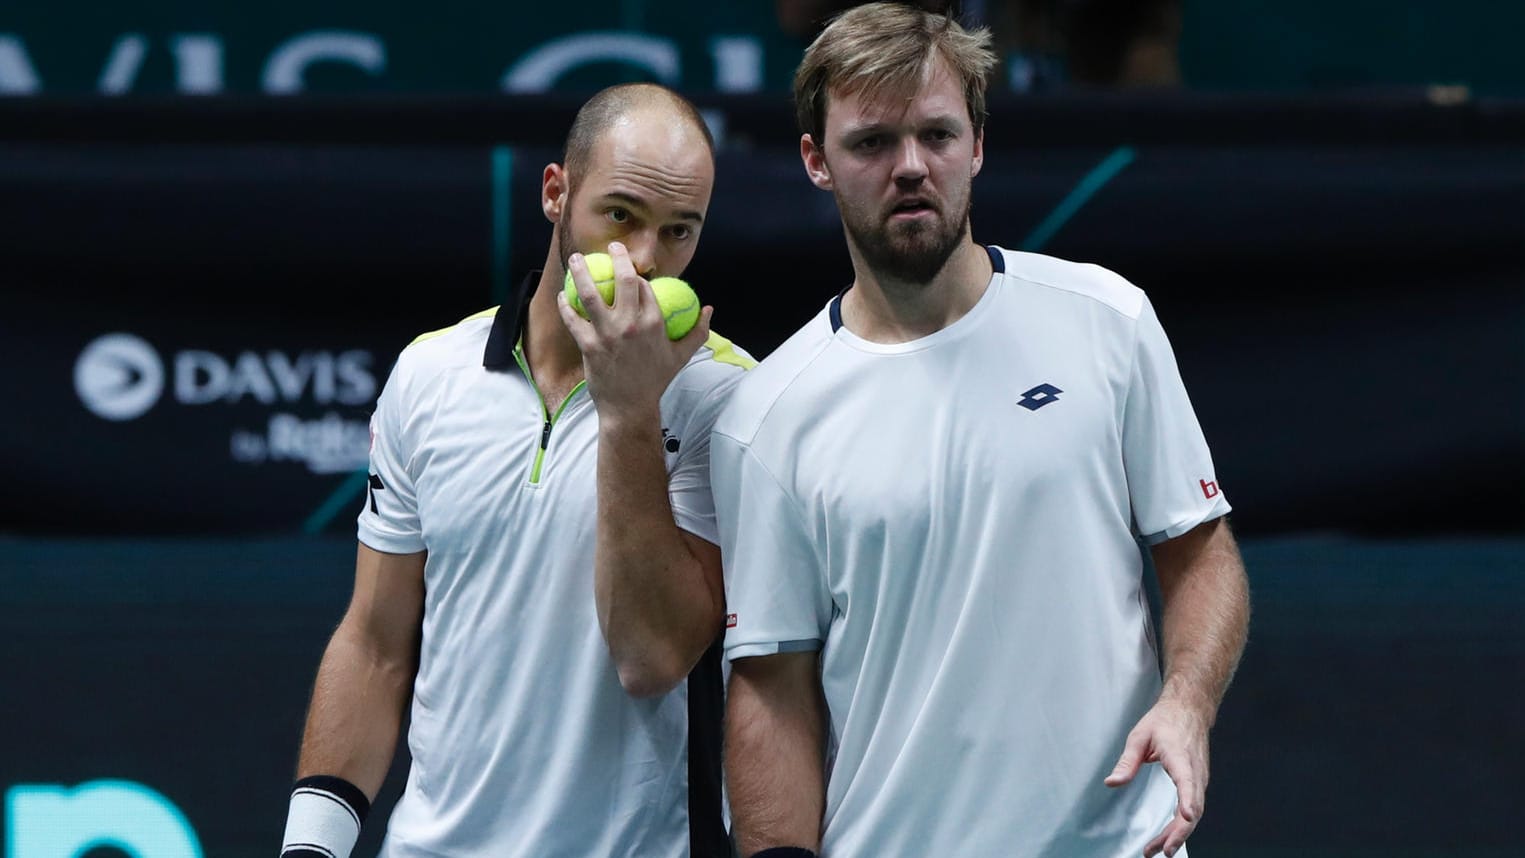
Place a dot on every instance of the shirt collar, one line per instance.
(508, 325)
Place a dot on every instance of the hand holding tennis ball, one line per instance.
(677, 301)
(601, 269)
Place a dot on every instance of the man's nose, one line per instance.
(642, 248)
(910, 166)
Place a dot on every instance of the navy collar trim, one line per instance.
(997, 261)
(836, 310)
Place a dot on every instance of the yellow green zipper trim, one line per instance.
(550, 419)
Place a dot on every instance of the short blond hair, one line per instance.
(883, 48)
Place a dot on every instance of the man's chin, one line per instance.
(917, 266)
(910, 246)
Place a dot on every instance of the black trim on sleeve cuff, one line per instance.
(785, 852)
(340, 789)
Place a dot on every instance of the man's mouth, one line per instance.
(911, 207)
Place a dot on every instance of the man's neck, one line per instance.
(881, 309)
(553, 357)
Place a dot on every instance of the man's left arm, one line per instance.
(1206, 609)
(658, 588)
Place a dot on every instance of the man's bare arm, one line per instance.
(1206, 601)
(366, 677)
(775, 737)
(657, 587)
(1206, 605)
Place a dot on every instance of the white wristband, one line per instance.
(324, 819)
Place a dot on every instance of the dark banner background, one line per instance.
(1343, 281)
(1342, 284)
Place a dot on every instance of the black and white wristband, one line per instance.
(324, 819)
(785, 852)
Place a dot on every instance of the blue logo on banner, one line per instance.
(52, 821)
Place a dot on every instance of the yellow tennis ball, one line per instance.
(679, 305)
(601, 269)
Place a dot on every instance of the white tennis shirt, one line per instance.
(523, 741)
(952, 522)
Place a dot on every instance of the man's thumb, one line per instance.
(1128, 763)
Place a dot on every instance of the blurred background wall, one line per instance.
(219, 224)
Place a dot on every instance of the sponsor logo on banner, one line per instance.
(327, 445)
(120, 377)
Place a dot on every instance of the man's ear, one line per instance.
(815, 162)
(979, 152)
(555, 192)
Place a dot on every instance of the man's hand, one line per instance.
(1173, 734)
(628, 360)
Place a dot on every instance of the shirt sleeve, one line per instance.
(775, 587)
(688, 481)
(1171, 482)
(389, 520)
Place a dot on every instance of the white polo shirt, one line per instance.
(523, 741)
(952, 522)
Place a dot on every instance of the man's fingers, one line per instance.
(592, 302)
(576, 325)
(696, 336)
(1134, 751)
(1189, 789)
(627, 282)
(1176, 833)
(1190, 804)
(1170, 841)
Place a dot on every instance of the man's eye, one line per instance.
(680, 231)
(619, 215)
(869, 144)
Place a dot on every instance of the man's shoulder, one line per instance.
(460, 344)
(431, 355)
(1082, 280)
(719, 358)
(713, 371)
(758, 393)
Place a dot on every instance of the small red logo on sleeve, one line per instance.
(1209, 488)
(730, 621)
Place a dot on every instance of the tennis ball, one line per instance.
(679, 305)
(601, 269)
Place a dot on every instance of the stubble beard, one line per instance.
(566, 243)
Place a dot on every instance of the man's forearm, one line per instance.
(1206, 611)
(657, 606)
(355, 715)
(774, 745)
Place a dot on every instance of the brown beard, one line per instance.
(910, 253)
